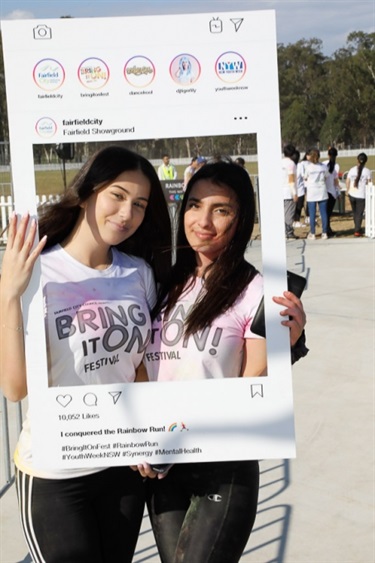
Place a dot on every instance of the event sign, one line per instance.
(104, 80)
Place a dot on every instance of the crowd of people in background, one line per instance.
(309, 185)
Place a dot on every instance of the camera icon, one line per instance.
(42, 32)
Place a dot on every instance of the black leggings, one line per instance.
(358, 207)
(204, 512)
(91, 519)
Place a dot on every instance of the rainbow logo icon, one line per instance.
(172, 427)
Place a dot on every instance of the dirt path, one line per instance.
(341, 224)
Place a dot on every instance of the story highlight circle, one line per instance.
(48, 74)
(93, 73)
(139, 71)
(230, 67)
(185, 69)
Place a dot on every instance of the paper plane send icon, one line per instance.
(115, 395)
(237, 22)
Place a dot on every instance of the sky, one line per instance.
(328, 20)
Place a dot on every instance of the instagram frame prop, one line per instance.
(145, 78)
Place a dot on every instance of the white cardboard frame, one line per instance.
(54, 96)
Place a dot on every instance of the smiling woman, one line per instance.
(202, 331)
(210, 220)
(109, 216)
(99, 250)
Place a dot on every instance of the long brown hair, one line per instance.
(230, 274)
(151, 241)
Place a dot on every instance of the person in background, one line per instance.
(201, 161)
(189, 170)
(289, 186)
(99, 246)
(166, 170)
(212, 289)
(196, 163)
(358, 178)
(240, 161)
(301, 188)
(316, 192)
(333, 186)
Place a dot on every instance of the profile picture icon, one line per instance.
(46, 127)
(185, 69)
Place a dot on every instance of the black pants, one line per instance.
(91, 519)
(204, 512)
(358, 208)
(330, 205)
(299, 206)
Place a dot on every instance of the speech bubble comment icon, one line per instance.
(64, 400)
(90, 399)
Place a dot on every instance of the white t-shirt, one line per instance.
(301, 188)
(315, 177)
(214, 352)
(288, 167)
(330, 180)
(360, 190)
(97, 325)
(188, 173)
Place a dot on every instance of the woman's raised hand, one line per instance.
(20, 256)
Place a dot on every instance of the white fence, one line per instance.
(370, 211)
(6, 208)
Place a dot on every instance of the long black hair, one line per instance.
(362, 159)
(151, 241)
(332, 154)
(230, 273)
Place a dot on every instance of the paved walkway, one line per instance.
(318, 508)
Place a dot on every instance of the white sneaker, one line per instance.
(297, 224)
(310, 236)
(324, 236)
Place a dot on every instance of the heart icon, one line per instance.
(64, 400)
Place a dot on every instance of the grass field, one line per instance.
(52, 182)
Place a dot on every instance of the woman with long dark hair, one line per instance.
(358, 178)
(204, 512)
(333, 189)
(98, 248)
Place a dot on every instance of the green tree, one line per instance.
(351, 92)
(302, 90)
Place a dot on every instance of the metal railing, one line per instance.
(11, 424)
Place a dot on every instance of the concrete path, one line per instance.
(318, 508)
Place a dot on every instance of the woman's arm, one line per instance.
(254, 361)
(141, 373)
(17, 267)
